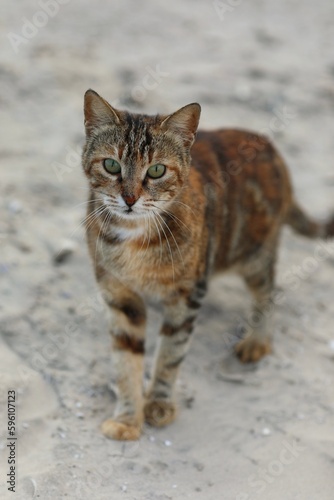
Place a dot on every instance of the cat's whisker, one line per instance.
(84, 221)
(94, 216)
(101, 230)
(160, 241)
(173, 217)
(107, 222)
(146, 238)
(185, 205)
(179, 202)
(170, 250)
(93, 220)
(90, 218)
(145, 232)
(87, 202)
(172, 235)
(149, 239)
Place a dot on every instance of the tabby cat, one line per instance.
(165, 212)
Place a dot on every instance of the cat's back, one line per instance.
(247, 185)
(238, 153)
(234, 159)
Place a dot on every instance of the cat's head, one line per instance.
(137, 163)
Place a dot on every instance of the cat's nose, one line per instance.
(130, 200)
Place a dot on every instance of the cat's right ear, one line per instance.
(98, 112)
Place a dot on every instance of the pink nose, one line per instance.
(129, 200)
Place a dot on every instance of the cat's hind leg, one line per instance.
(259, 276)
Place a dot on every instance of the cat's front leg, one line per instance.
(127, 328)
(175, 335)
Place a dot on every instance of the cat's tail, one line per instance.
(306, 226)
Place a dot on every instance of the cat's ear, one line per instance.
(98, 112)
(184, 122)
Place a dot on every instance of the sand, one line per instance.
(261, 433)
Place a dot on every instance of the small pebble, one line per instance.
(79, 414)
(331, 345)
(152, 438)
(25, 425)
(24, 247)
(124, 487)
(14, 206)
(266, 431)
(67, 248)
(4, 268)
(199, 466)
(168, 443)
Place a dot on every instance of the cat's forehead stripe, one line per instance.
(137, 139)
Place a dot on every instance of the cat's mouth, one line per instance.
(132, 213)
(127, 213)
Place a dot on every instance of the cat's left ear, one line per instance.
(98, 112)
(184, 122)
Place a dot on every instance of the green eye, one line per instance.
(156, 171)
(111, 166)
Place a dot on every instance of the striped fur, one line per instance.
(221, 207)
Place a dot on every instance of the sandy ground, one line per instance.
(262, 434)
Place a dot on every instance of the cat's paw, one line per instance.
(250, 350)
(159, 413)
(120, 431)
